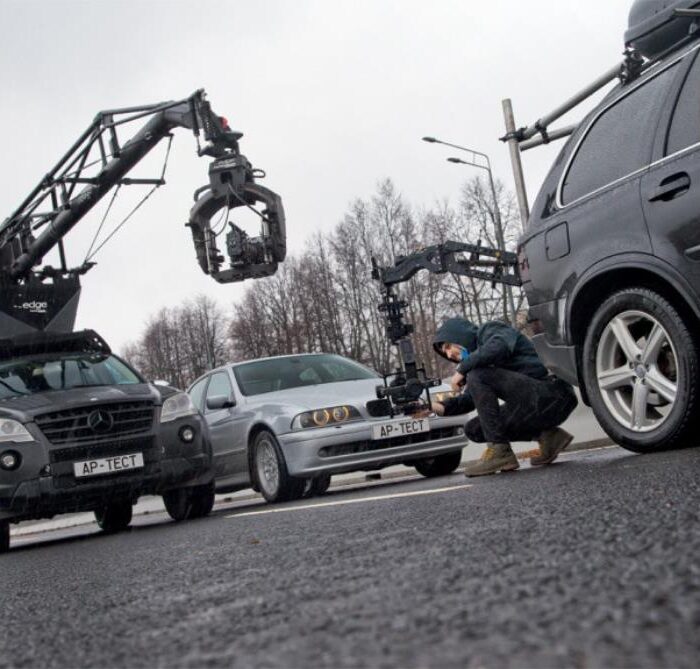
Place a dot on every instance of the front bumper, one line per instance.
(349, 447)
(45, 485)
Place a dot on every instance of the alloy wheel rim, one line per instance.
(637, 371)
(268, 466)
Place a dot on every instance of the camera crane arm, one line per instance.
(56, 205)
(473, 260)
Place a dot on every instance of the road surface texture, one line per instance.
(591, 562)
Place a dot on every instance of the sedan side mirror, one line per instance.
(220, 402)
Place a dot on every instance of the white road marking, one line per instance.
(375, 498)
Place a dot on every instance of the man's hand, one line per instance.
(421, 410)
(457, 382)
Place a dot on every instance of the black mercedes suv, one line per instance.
(80, 430)
(611, 258)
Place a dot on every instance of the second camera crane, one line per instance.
(405, 386)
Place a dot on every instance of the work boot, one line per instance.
(552, 442)
(496, 458)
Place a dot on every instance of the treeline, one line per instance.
(324, 298)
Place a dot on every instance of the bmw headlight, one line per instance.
(443, 395)
(177, 406)
(12, 430)
(325, 417)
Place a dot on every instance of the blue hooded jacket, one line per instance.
(494, 344)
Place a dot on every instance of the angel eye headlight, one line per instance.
(321, 417)
(326, 416)
(340, 414)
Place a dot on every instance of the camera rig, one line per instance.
(403, 388)
(36, 296)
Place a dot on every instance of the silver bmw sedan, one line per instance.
(284, 425)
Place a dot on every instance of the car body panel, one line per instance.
(616, 226)
(44, 484)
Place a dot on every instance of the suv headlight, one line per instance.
(325, 417)
(177, 406)
(12, 430)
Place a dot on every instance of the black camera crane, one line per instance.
(404, 387)
(35, 297)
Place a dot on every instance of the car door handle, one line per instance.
(671, 187)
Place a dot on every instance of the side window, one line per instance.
(684, 130)
(619, 141)
(196, 392)
(219, 385)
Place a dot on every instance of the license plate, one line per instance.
(117, 463)
(400, 428)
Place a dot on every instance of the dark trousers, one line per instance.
(529, 407)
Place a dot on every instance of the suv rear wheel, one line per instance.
(640, 369)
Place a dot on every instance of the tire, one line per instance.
(317, 485)
(189, 503)
(178, 504)
(270, 470)
(4, 536)
(202, 500)
(440, 465)
(640, 369)
(114, 517)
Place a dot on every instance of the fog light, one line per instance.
(460, 431)
(10, 460)
(187, 434)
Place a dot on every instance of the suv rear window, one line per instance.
(684, 130)
(619, 141)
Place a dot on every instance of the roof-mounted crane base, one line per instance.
(36, 304)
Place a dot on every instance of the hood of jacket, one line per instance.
(458, 331)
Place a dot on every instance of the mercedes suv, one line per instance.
(611, 259)
(80, 430)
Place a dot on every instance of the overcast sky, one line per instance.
(331, 97)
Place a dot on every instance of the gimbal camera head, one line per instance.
(404, 387)
(232, 184)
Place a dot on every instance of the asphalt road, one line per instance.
(591, 562)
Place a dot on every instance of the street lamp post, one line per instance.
(481, 160)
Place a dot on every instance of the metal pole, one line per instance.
(514, 147)
(501, 242)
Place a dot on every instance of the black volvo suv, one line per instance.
(611, 259)
(80, 430)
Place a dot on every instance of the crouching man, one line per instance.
(496, 362)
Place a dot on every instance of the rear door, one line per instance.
(671, 187)
(598, 212)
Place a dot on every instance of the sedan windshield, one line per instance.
(267, 376)
(42, 373)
